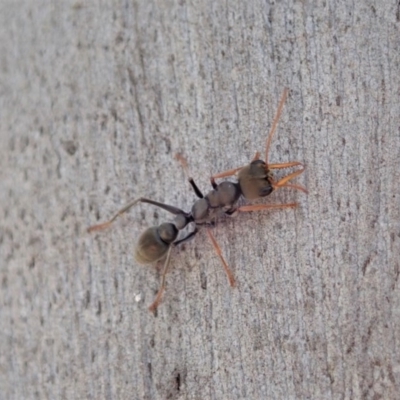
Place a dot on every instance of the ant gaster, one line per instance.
(253, 181)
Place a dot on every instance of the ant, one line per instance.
(254, 180)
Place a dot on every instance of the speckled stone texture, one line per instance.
(96, 98)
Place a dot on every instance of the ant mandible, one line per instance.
(253, 181)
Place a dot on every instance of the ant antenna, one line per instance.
(275, 123)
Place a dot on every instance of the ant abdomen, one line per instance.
(154, 242)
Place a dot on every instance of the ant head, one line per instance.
(254, 180)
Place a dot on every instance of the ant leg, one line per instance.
(224, 174)
(228, 272)
(297, 187)
(157, 300)
(189, 236)
(283, 182)
(286, 165)
(275, 123)
(195, 188)
(230, 172)
(260, 207)
(167, 207)
(184, 164)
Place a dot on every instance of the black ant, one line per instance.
(253, 181)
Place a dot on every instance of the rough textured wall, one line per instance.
(95, 101)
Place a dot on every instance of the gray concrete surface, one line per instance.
(95, 100)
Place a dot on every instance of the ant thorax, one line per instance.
(216, 203)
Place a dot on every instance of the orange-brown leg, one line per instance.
(228, 272)
(224, 174)
(260, 207)
(283, 182)
(167, 207)
(99, 227)
(108, 223)
(227, 173)
(297, 187)
(275, 123)
(286, 165)
(157, 300)
(231, 172)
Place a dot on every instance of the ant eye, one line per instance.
(265, 191)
